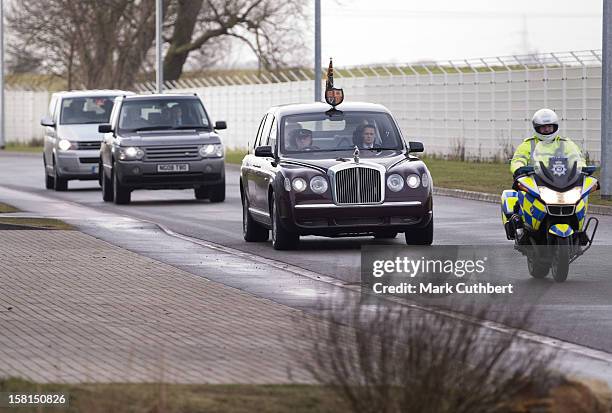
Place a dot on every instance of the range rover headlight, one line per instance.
(64, 144)
(318, 184)
(130, 153)
(211, 151)
(299, 185)
(395, 182)
(413, 181)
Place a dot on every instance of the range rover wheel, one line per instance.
(217, 192)
(251, 230)
(60, 184)
(281, 238)
(420, 236)
(121, 194)
(49, 182)
(107, 187)
(201, 192)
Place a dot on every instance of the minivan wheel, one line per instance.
(281, 238)
(107, 188)
(121, 194)
(60, 184)
(49, 182)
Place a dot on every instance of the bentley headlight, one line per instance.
(552, 197)
(318, 185)
(64, 144)
(130, 153)
(413, 181)
(299, 185)
(424, 180)
(395, 182)
(212, 151)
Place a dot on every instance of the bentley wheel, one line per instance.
(385, 235)
(107, 188)
(281, 238)
(420, 236)
(251, 230)
(121, 194)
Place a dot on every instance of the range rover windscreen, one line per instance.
(160, 114)
(339, 131)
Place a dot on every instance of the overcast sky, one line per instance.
(368, 31)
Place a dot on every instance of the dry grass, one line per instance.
(168, 398)
(6, 208)
(37, 223)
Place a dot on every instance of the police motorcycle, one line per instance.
(545, 212)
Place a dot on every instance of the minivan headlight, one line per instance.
(64, 145)
(130, 153)
(211, 151)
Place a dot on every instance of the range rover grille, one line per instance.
(359, 185)
(171, 153)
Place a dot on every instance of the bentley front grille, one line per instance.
(171, 153)
(358, 185)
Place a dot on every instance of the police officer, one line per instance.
(546, 126)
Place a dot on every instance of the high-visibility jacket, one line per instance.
(524, 153)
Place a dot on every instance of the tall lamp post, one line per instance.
(317, 62)
(606, 103)
(2, 137)
(159, 72)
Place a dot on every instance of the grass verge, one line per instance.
(6, 208)
(19, 147)
(37, 223)
(169, 398)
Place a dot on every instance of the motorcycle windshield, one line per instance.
(557, 164)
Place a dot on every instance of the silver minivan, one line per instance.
(72, 141)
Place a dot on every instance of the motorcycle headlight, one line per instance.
(318, 185)
(130, 153)
(395, 182)
(413, 181)
(550, 196)
(64, 144)
(299, 185)
(212, 151)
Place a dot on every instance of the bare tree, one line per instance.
(107, 43)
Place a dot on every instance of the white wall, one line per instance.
(23, 112)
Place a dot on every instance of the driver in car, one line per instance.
(366, 137)
(546, 127)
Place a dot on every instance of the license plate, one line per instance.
(173, 167)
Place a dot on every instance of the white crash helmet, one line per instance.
(545, 117)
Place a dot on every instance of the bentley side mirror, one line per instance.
(47, 121)
(264, 151)
(105, 128)
(220, 124)
(415, 147)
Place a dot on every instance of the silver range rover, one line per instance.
(164, 141)
(72, 141)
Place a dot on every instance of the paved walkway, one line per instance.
(74, 308)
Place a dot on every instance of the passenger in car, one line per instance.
(302, 139)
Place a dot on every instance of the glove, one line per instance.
(523, 170)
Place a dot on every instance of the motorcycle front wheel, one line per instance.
(537, 269)
(561, 258)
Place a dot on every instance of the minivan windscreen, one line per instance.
(162, 114)
(83, 110)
